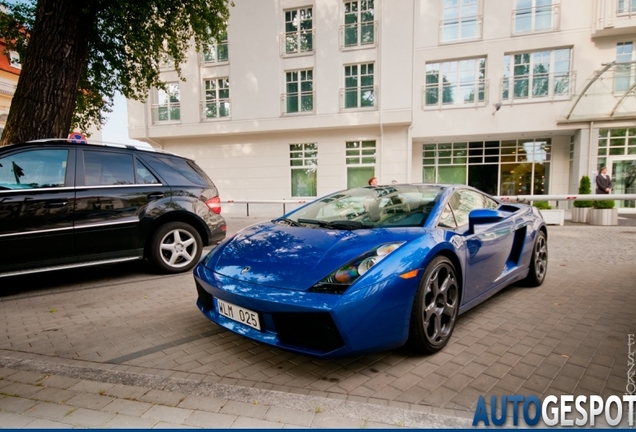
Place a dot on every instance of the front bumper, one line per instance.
(372, 318)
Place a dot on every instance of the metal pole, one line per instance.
(248, 208)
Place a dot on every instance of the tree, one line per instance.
(76, 54)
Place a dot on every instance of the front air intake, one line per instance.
(315, 331)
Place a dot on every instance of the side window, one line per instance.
(32, 169)
(144, 176)
(447, 219)
(107, 169)
(463, 202)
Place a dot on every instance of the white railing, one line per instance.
(215, 109)
(366, 97)
(538, 87)
(297, 42)
(455, 91)
(305, 103)
(535, 19)
(570, 197)
(359, 35)
(509, 198)
(284, 202)
(162, 113)
(460, 29)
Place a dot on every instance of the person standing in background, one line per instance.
(603, 182)
(373, 181)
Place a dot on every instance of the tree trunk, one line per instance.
(48, 84)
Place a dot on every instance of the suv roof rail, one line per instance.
(140, 146)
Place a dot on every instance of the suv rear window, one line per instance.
(187, 170)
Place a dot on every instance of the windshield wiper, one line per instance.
(287, 220)
(338, 224)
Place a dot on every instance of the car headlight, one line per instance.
(338, 281)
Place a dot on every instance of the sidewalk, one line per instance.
(31, 396)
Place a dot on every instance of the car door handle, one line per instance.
(55, 204)
(155, 195)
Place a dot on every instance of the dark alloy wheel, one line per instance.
(539, 262)
(435, 308)
(175, 247)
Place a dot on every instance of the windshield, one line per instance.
(369, 207)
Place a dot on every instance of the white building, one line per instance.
(305, 97)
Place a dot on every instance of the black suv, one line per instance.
(65, 205)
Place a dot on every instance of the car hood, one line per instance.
(295, 258)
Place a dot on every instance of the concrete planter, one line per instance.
(603, 217)
(553, 217)
(580, 214)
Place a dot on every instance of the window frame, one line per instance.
(478, 84)
(300, 94)
(300, 35)
(460, 20)
(359, 89)
(170, 106)
(221, 104)
(559, 82)
(307, 155)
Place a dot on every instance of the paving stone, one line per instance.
(127, 407)
(88, 418)
(49, 411)
(91, 401)
(61, 382)
(167, 414)
(163, 397)
(209, 420)
(122, 421)
(53, 395)
(289, 416)
(244, 409)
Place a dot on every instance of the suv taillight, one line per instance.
(214, 204)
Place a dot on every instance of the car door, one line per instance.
(488, 247)
(114, 193)
(36, 207)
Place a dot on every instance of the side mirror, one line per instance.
(483, 216)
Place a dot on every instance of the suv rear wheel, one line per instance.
(175, 247)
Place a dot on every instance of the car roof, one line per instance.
(141, 146)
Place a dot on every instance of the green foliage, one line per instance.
(127, 44)
(604, 204)
(542, 205)
(585, 188)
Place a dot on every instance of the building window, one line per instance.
(303, 159)
(360, 161)
(217, 50)
(456, 83)
(616, 142)
(217, 98)
(511, 167)
(14, 60)
(359, 24)
(299, 31)
(460, 21)
(300, 91)
(167, 107)
(626, 7)
(624, 72)
(532, 16)
(359, 91)
(537, 75)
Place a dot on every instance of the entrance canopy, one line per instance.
(609, 94)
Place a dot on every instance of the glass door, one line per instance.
(623, 174)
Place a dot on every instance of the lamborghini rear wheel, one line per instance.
(436, 306)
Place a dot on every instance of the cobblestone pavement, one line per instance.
(136, 350)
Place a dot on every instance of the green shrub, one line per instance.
(542, 205)
(585, 188)
(604, 204)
